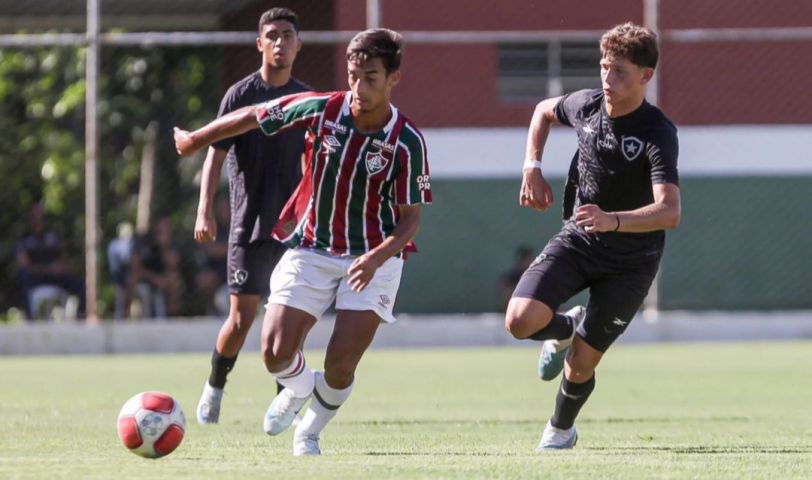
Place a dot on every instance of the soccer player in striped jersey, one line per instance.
(352, 216)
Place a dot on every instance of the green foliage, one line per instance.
(42, 144)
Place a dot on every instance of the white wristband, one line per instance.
(532, 164)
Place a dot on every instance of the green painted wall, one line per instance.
(743, 244)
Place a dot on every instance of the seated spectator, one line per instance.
(118, 256)
(41, 261)
(213, 260)
(154, 272)
(509, 279)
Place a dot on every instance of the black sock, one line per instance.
(559, 328)
(220, 366)
(279, 388)
(567, 405)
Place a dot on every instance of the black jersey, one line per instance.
(263, 171)
(618, 161)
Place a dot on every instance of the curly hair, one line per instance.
(632, 42)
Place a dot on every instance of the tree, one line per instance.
(42, 153)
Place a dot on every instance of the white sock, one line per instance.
(297, 377)
(323, 407)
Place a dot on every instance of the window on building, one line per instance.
(528, 73)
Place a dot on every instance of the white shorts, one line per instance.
(309, 280)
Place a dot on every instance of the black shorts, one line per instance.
(617, 288)
(250, 266)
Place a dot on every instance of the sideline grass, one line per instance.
(659, 411)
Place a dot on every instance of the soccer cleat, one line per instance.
(557, 439)
(554, 352)
(305, 445)
(208, 409)
(282, 411)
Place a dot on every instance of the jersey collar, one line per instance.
(345, 111)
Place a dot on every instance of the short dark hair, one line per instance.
(377, 43)
(275, 14)
(634, 43)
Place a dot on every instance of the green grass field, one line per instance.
(659, 411)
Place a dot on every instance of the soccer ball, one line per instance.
(151, 424)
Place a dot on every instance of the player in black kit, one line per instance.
(622, 192)
(263, 172)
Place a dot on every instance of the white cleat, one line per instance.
(208, 409)
(557, 439)
(305, 445)
(282, 412)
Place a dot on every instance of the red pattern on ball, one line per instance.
(170, 440)
(157, 402)
(128, 432)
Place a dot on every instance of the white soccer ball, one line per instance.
(151, 424)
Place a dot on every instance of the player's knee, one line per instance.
(277, 356)
(516, 325)
(339, 374)
(522, 320)
(580, 365)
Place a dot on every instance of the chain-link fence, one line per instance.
(472, 75)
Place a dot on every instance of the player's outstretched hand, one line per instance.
(592, 219)
(361, 272)
(205, 228)
(184, 143)
(535, 192)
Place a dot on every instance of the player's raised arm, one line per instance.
(543, 117)
(535, 191)
(231, 125)
(293, 111)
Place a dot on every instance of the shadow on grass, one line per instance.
(542, 421)
(704, 449)
(439, 454)
(679, 450)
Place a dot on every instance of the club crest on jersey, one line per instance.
(240, 276)
(375, 162)
(331, 143)
(631, 147)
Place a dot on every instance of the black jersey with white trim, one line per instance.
(263, 171)
(618, 161)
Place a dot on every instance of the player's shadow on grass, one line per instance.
(704, 449)
(368, 423)
(679, 450)
(439, 454)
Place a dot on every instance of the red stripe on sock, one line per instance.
(299, 366)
